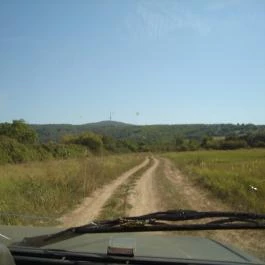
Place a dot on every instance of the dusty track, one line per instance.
(91, 206)
(144, 198)
(195, 197)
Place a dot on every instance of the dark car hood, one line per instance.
(147, 245)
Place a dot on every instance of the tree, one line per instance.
(20, 131)
(91, 140)
(179, 141)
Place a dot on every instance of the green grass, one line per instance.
(50, 188)
(228, 175)
(173, 197)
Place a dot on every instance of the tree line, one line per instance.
(20, 142)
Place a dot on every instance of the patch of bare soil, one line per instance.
(144, 198)
(92, 205)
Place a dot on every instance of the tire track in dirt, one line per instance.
(144, 198)
(195, 197)
(92, 205)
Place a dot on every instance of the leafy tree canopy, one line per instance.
(20, 131)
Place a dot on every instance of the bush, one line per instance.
(233, 144)
(90, 140)
(20, 131)
(11, 151)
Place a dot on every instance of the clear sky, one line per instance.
(145, 61)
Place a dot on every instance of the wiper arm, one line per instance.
(159, 221)
(177, 215)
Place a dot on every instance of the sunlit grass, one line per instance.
(175, 197)
(51, 188)
(229, 175)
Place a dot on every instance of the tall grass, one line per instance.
(51, 188)
(230, 175)
(177, 197)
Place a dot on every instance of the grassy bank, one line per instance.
(229, 175)
(50, 188)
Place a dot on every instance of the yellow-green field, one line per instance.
(231, 176)
(51, 188)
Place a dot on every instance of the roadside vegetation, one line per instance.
(20, 143)
(51, 188)
(236, 177)
(182, 193)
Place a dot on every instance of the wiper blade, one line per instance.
(177, 215)
(159, 221)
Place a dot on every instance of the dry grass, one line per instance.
(175, 197)
(229, 175)
(51, 188)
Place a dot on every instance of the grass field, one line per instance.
(189, 195)
(51, 188)
(229, 175)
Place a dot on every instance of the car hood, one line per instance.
(160, 245)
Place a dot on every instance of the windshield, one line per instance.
(124, 108)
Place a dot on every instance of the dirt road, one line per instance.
(91, 206)
(161, 186)
(193, 196)
(144, 198)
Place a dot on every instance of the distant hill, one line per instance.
(149, 134)
(54, 132)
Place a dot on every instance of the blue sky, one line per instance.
(169, 61)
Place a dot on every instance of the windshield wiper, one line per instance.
(158, 221)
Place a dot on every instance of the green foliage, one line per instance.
(109, 143)
(256, 139)
(120, 137)
(132, 146)
(234, 141)
(230, 144)
(90, 140)
(156, 137)
(20, 131)
(179, 141)
(11, 151)
(64, 151)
